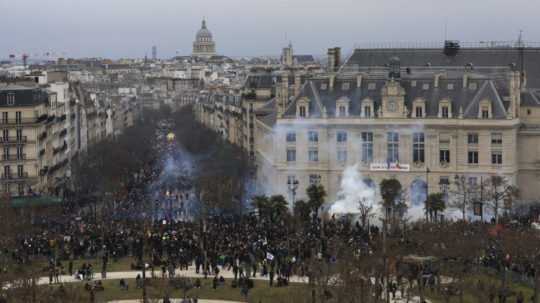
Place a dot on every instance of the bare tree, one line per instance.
(366, 212)
(464, 194)
(501, 195)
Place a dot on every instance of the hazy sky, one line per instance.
(129, 28)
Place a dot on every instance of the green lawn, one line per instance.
(261, 292)
(474, 295)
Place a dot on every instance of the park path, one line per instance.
(190, 273)
(177, 301)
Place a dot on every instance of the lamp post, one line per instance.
(427, 189)
(292, 185)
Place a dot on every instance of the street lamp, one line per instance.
(292, 185)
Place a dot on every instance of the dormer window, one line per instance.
(473, 86)
(346, 86)
(485, 110)
(419, 112)
(445, 109)
(450, 86)
(302, 108)
(367, 108)
(419, 108)
(342, 111)
(444, 112)
(371, 86)
(425, 86)
(367, 111)
(342, 107)
(485, 113)
(324, 86)
(11, 99)
(302, 111)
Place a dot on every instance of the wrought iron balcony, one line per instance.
(13, 140)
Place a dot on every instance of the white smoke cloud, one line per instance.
(353, 190)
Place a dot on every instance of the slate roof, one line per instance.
(530, 97)
(303, 59)
(259, 81)
(467, 98)
(485, 57)
(24, 96)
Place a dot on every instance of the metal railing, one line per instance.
(11, 176)
(14, 157)
(22, 139)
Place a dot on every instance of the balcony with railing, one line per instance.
(14, 177)
(20, 121)
(14, 140)
(14, 157)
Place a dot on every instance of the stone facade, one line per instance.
(204, 45)
(419, 126)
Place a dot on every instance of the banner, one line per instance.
(389, 167)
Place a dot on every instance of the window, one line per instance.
(20, 189)
(20, 170)
(425, 86)
(7, 172)
(372, 86)
(324, 86)
(11, 99)
(472, 138)
(485, 112)
(496, 138)
(313, 155)
(413, 83)
(419, 112)
(302, 111)
(444, 155)
(418, 147)
(5, 134)
(345, 86)
(367, 111)
(444, 111)
(291, 155)
(18, 117)
(392, 147)
(342, 156)
(313, 136)
(4, 117)
(496, 157)
(473, 181)
(367, 147)
(20, 152)
(472, 157)
(6, 153)
(314, 179)
(342, 111)
(450, 86)
(291, 137)
(341, 137)
(19, 134)
(473, 86)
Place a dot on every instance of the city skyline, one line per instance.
(122, 28)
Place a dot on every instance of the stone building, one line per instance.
(421, 125)
(204, 45)
(23, 121)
